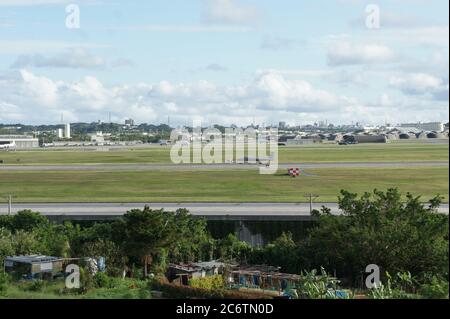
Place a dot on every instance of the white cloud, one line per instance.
(346, 53)
(36, 46)
(10, 112)
(433, 37)
(76, 58)
(183, 28)
(269, 97)
(391, 20)
(30, 2)
(40, 99)
(230, 12)
(422, 84)
(21, 3)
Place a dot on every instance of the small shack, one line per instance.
(34, 267)
(184, 272)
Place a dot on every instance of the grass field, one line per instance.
(124, 289)
(304, 154)
(215, 186)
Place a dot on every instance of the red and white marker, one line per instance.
(294, 172)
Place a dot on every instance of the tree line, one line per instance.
(397, 234)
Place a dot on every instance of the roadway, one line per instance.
(210, 211)
(231, 166)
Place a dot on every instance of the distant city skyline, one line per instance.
(223, 62)
(130, 123)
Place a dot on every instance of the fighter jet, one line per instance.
(257, 160)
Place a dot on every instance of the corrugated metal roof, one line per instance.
(31, 259)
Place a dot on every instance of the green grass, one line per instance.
(304, 154)
(53, 290)
(215, 185)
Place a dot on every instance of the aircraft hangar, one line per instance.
(21, 141)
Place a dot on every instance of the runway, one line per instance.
(211, 211)
(149, 167)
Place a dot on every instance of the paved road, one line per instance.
(148, 167)
(213, 211)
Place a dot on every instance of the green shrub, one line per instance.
(314, 285)
(4, 282)
(185, 292)
(101, 280)
(36, 285)
(436, 289)
(398, 287)
(209, 283)
(118, 293)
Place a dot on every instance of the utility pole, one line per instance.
(9, 199)
(311, 198)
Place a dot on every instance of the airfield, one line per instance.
(115, 178)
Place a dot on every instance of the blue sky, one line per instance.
(224, 61)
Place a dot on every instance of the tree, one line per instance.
(6, 244)
(231, 248)
(383, 229)
(27, 220)
(194, 241)
(282, 252)
(142, 233)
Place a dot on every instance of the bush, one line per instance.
(209, 283)
(185, 292)
(4, 282)
(436, 289)
(401, 286)
(315, 285)
(101, 280)
(36, 285)
(86, 280)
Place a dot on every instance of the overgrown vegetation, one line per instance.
(405, 238)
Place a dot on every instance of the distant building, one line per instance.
(129, 122)
(285, 138)
(98, 137)
(20, 141)
(282, 125)
(67, 131)
(431, 126)
(370, 138)
(299, 141)
(60, 133)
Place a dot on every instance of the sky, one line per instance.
(224, 61)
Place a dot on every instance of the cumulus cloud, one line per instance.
(269, 97)
(230, 12)
(422, 84)
(38, 98)
(346, 53)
